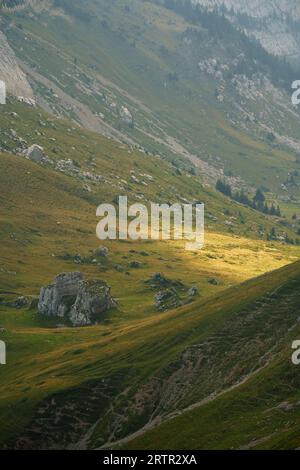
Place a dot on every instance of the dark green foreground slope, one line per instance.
(263, 411)
(142, 374)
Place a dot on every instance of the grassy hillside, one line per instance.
(127, 362)
(143, 56)
(47, 218)
(220, 361)
(260, 413)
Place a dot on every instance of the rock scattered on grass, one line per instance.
(74, 299)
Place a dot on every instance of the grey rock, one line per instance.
(193, 292)
(58, 298)
(20, 302)
(36, 154)
(126, 116)
(27, 101)
(72, 298)
(102, 251)
(159, 280)
(93, 299)
(167, 299)
(11, 73)
(119, 268)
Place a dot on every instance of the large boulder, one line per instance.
(76, 300)
(36, 154)
(126, 116)
(93, 299)
(58, 298)
(167, 299)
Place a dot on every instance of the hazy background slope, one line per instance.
(275, 23)
(192, 95)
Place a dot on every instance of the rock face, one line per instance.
(74, 299)
(10, 72)
(269, 21)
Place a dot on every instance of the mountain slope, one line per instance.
(261, 412)
(139, 99)
(195, 351)
(227, 118)
(44, 239)
(274, 23)
(11, 74)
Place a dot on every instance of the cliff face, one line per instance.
(10, 72)
(275, 23)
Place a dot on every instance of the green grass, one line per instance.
(44, 360)
(47, 218)
(127, 54)
(263, 413)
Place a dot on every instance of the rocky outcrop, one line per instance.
(36, 154)
(76, 300)
(193, 292)
(21, 302)
(126, 116)
(93, 299)
(57, 299)
(167, 299)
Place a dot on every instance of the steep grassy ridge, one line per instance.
(260, 413)
(138, 363)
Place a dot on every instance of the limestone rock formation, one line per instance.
(72, 298)
(36, 154)
(93, 299)
(58, 298)
(269, 21)
(126, 116)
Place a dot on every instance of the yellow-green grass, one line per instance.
(263, 414)
(43, 360)
(45, 215)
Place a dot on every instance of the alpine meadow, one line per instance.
(136, 337)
